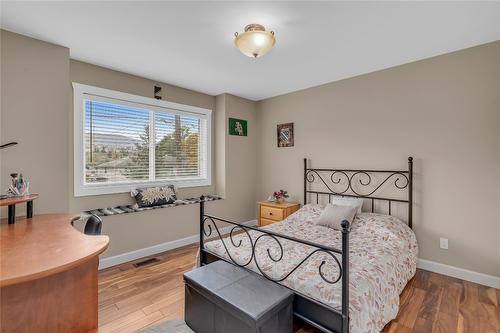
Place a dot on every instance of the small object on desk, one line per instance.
(271, 212)
(19, 185)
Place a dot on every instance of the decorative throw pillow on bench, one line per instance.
(155, 196)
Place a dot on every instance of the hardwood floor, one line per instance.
(132, 298)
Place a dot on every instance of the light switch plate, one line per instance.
(443, 243)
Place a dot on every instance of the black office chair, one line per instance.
(93, 225)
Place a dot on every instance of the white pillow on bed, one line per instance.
(348, 201)
(333, 215)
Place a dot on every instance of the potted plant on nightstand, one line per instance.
(280, 196)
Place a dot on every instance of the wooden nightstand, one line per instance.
(271, 212)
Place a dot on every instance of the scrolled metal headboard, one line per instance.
(347, 183)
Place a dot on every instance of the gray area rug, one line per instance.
(170, 326)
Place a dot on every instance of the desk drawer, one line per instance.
(271, 213)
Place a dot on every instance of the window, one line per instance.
(124, 141)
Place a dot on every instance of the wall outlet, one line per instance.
(443, 243)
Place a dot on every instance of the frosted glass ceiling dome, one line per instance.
(255, 41)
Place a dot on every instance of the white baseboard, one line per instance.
(159, 248)
(459, 273)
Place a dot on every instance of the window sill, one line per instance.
(97, 189)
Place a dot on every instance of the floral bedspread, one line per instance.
(383, 256)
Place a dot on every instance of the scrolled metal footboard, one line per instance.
(276, 253)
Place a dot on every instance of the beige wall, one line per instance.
(237, 158)
(34, 112)
(445, 111)
(220, 143)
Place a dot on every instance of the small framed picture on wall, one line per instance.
(285, 135)
(237, 127)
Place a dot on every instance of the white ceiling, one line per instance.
(190, 44)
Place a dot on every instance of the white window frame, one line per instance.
(106, 95)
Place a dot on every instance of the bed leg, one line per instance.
(345, 276)
(202, 213)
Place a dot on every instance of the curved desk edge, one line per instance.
(45, 245)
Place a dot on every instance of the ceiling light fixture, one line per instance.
(255, 41)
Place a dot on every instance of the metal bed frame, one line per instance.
(340, 182)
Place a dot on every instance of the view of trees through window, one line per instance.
(118, 142)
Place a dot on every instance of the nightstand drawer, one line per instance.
(271, 213)
(264, 221)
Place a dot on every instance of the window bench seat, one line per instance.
(125, 209)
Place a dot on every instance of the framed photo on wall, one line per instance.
(285, 135)
(237, 127)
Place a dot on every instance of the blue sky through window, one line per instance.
(130, 122)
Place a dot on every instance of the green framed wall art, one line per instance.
(238, 127)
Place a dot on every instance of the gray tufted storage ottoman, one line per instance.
(223, 298)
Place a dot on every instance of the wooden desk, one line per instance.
(48, 276)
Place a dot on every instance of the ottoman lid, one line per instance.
(248, 292)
